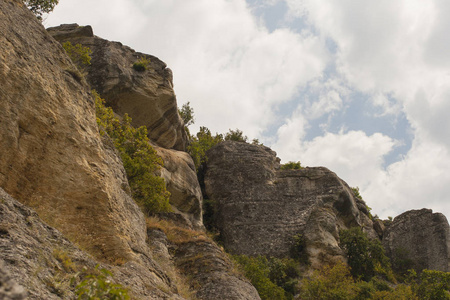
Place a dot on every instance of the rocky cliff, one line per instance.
(420, 237)
(53, 159)
(260, 208)
(148, 97)
(65, 204)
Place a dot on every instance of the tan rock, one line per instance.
(52, 157)
(148, 97)
(182, 183)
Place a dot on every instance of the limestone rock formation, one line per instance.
(52, 157)
(420, 236)
(260, 208)
(39, 258)
(181, 181)
(147, 96)
(205, 265)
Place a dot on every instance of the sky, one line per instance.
(360, 87)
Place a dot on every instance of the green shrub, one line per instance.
(200, 144)
(330, 282)
(141, 65)
(236, 135)
(366, 257)
(81, 56)
(257, 270)
(433, 285)
(298, 249)
(100, 286)
(138, 156)
(291, 166)
(40, 7)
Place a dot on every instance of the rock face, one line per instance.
(147, 96)
(421, 236)
(52, 157)
(260, 208)
(205, 265)
(182, 183)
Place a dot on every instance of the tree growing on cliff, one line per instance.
(40, 7)
(139, 158)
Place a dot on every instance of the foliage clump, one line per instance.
(187, 114)
(99, 285)
(80, 55)
(273, 278)
(200, 144)
(141, 64)
(40, 7)
(336, 282)
(292, 165)
(138, 156)
(366, 257)
(236, 135)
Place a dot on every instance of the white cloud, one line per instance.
(232, 70)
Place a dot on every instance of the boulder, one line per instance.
(51, 154)
(260, 208)
(182, 183)
(420, 237)
(147, 96)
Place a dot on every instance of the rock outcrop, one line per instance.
(204, 264)
(52, 157)
(260, 208)
(182, 183)
(147, 96)
(421, 237)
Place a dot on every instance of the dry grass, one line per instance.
(174, 233)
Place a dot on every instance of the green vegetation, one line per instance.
(200, 144)
(187, 114)
(40, 7)
(336, 282)
(236, 135)
(138, 156)
(141, 64)
(291, 166)
(81, 56)
(98, 286)
(273, 278)
(366, 257)
(298, 249)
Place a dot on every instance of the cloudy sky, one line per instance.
(360, 87)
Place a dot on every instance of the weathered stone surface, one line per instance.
(422, 236)
(181, 181)
(52, 157)
(9, 289)
(212, 271)
(260, 207)
(148, 96)
(39, 258)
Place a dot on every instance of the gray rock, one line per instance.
(147, 97)
(9, 289)
(260, 208)
(421, 236)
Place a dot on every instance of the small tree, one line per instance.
(187, 114)
(40, 7)
(366, 257)
(235, 135)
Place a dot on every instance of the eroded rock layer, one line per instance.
(52, 157)
(147, 96)
(421, 237)
(260, 208)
